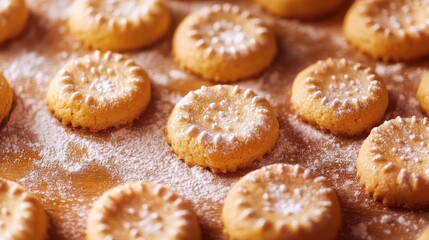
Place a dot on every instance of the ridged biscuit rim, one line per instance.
(27, 222)
(183, 217)
(406, 181)
(65, 88)
(276, 228)
(228, 141)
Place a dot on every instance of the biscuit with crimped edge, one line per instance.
(301, 9)
(222, 127)
(424, 235)
(99, 91)
(6, 98)
(423, 93)
(339, 96)
(142, 211)
(393, 163)
(13, 18)
(223, 43)
(281, 201)
(389, 30)
(119, 25)
(21, 213)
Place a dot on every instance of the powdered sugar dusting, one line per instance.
(396, 18)
(4, 5)
(282, 202)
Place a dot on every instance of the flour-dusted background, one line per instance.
(69, 168)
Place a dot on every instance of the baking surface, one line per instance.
(69, 168)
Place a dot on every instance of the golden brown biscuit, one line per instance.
(222, 127)
(6, 98)
(340, 96)
(302, 9)
(13, 18)
(119, 25)
(281, 202)
(99, 91)
(223, 43)
(423, 93)
(392, 164)
(142, 211)
(424, 235)
(21, 213)
(389, 30)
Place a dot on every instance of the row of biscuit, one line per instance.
(279, 201)
(295, 204)
(225, 128)
(388, 30)
(222, 43)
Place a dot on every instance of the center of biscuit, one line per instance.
(222, 116)
(142, 220)
(225, 33)
(100, 80)
(345, 84)
(278, 198)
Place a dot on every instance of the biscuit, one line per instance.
(424, 235)
(21, 213)
(389, 30)
(99, 91)
(423, 93)
(13, 18)
(281, 201)
(142, 211)
(222, 127)
(302, 9)
(392, 164)
(119, 25)
(6, 98)
(339, 96)
(223, 43)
